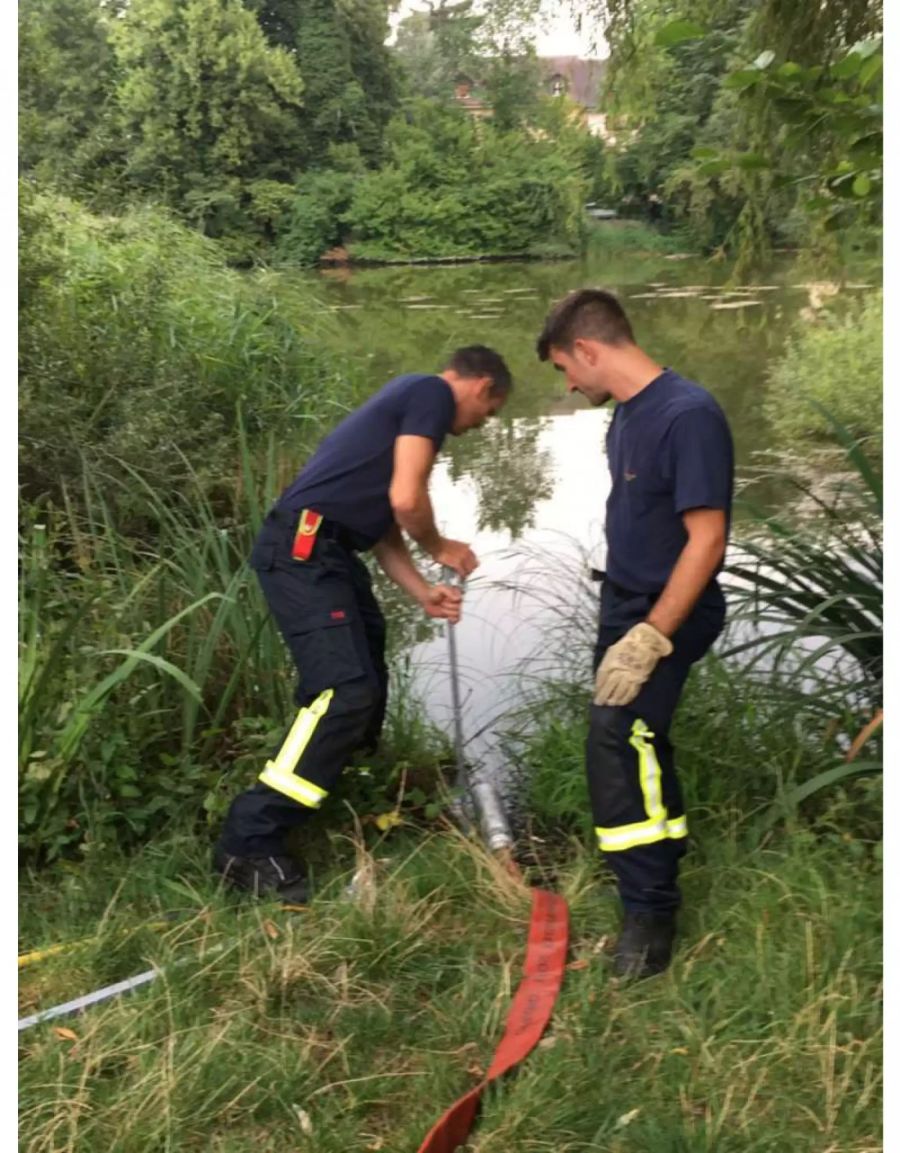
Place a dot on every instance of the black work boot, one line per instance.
(644, 947)
(275, 877)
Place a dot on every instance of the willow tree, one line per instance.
(777, 124)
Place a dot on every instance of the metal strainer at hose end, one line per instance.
(479, 797)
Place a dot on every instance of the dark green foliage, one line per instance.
(67, 131)
(313, 222)
(454, 187)
(741, 112)
(206, 105)
(813, 33)
(663, 97)
(829, 131)
(230, 115)
(347, 71)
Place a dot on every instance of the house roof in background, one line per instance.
(583, 77)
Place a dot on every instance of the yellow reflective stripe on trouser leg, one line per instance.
(641, 739)
(657, 826)
(279, 774)
(620, 837)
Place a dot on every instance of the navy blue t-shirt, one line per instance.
(348, 477)
(669, 450)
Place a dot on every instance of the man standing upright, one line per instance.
(367, 481)
(667, 522)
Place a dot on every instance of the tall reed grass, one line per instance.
(146, 664)
(138, 345)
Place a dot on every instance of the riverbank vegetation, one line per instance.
(831, 371)
(752, 124)
(306, 132)
(340, 1029)
(139, 347)
(310, 135)
(178, 159)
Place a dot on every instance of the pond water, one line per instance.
(529, 490)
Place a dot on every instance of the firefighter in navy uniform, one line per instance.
(667, 521)
(365, 485)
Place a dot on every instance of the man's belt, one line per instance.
(619, 590)
(345, 537)
(600, 576)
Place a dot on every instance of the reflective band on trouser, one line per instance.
(657, 826)
(279, 774)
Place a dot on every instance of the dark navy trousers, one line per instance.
(636, 801)
(328, 616)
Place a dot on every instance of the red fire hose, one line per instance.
(531, 1009)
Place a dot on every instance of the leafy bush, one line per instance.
(137, 343)
(837, 362)
(313, 222)
(454, 187)
(634, 238)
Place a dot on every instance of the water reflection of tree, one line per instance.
(512, 473)
(407, 624)
(384, 327)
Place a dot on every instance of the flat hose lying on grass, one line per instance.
(89, 999)
(529, 1015)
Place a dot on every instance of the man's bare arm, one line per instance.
(411, 504)
(439, 601)
(693, 570)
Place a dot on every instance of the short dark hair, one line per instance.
(478, 360)
(588, 314)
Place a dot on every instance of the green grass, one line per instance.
(634, 238)
(139, 347)
(834, 361)
(372, 1017)
(353, 1025)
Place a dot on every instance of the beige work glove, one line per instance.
(628, 663)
